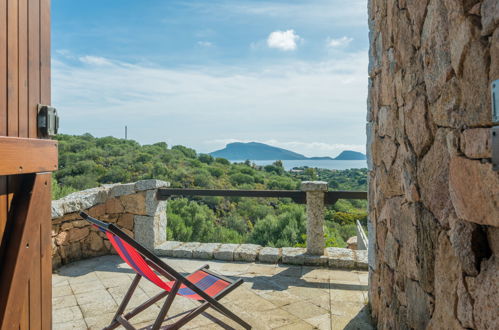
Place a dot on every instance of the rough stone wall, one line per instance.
(133, 207)
(434, 199)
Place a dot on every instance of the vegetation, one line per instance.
(86, 162)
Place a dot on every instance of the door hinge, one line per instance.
(48, 121)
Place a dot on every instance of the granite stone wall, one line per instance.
(132, 206)
(433, 197)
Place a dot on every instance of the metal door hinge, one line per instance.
(48, 121)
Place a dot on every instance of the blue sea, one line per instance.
(327, 164)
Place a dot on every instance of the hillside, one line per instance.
(350, 155)
(255, 151)
(261, 151)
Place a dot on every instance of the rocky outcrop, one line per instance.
(433, 197)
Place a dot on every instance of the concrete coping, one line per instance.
(314, 186)
(333, 258)
(85, 199)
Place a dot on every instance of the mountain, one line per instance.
(261, 151)
(350, 155)
(255, 151)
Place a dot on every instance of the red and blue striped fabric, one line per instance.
(208, 283)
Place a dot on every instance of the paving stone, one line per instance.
(364, 278)
(98, 308)
(290, 271)
(341, 258)
(185, 250)
(110, 280)
(61, 290)
(247, 252)
(323, 301)
(294, 256)
(94, 296)
(271, 319)
(317, 273)
(344, 276)
(232, 268)
(300, 325)
(309, 292)
(272, 296)
(166, 249)
(205, 250)
(63, 302)
(83, 287)
(248, 300)
(305, 309)
(99, 321)
(269, 255)
(263, 270)
(226, 252)
(322, 322)
(68, 314)
(138, 297)
(343, 296)
(279, 297)
(77, 324)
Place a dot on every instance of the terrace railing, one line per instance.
(314, 194)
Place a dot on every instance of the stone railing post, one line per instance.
(150, 228)
(315, 191)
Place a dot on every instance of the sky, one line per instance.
(292, 74)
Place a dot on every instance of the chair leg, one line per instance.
(166, 306)
(114, 323)
(145, 305)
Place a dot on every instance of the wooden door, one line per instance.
(25, 165)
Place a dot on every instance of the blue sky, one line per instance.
(205, 73)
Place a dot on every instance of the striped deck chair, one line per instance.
(202, 285)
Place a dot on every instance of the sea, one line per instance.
(327, 164)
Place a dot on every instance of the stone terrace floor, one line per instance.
(87, 293)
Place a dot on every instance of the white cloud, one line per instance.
(94, 60)
(289, 101)
(205, 44)
(339, 42)
(283, 40)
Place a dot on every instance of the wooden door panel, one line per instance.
(21, 259)
(24, 83)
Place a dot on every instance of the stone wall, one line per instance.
(433, 197)
(133, 207)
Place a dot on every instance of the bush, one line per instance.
(240, 178)
(205, 158)
(222, 161)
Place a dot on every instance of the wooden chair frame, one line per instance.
(168, 272)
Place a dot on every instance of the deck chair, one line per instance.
(202, 285)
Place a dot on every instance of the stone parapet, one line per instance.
(136, 210)
(334, 258)
(132, 206)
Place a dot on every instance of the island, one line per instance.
(262, 151)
